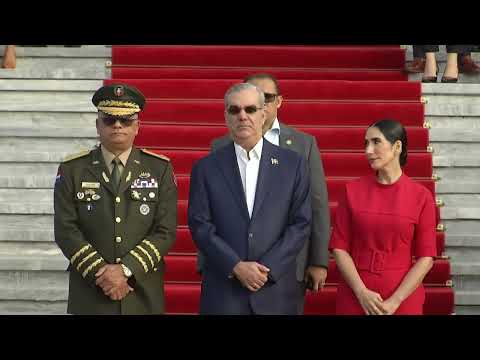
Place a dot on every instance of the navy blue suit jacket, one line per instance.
(222, 229)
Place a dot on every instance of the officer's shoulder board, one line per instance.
(76, 155)
(160, 156)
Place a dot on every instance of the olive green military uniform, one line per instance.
(136, 226)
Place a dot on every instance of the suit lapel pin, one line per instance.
(288, 142)
(274, 161)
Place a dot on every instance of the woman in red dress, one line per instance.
(383, 220)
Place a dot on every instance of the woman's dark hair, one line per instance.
(393, 131)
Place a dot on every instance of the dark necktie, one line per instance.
(116, 173)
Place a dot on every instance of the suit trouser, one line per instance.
(302, 291)
(420, 50)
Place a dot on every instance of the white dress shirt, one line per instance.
(273, 135)
(249, 164)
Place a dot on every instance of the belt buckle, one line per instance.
(377, 261)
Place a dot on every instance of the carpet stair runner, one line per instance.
(331, 92)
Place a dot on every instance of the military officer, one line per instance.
(116, 214)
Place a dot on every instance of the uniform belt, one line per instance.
(377, 261)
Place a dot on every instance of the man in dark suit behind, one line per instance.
(312, 261)
(249, 214)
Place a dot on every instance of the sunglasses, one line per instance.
(234, 110)
(110, 120)
(270, 97)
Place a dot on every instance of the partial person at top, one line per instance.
(459, 60)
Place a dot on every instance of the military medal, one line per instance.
(151, 195)
(80, 195)
(95, 197)
(144, 209)
(135, 195)
(89, 207)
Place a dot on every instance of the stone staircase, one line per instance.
(453, 110)
(454, 113)
(46, 113)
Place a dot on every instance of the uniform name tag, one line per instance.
(90, 185)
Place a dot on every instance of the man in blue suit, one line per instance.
(249, 214)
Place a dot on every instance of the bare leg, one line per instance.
(430, 72)
(9, 58)
(451, 69)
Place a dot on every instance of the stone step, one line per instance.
(462, 240)
(58, 51)
(26, 201)
(467, 310)
(459, 103)
(464, 254)
(455, 148)
(460, 206)
(52, 145)
(460, 160)
(459, 135)
(465, 266)
(457, 180)
(28, 175)
(461, 228)
(43, 155)
(33, 228)
(47, 120)
(59, 68)
(27, 307)
(31, 256)
(453, 122)
(34, 285)
(467, 297)
(456, 154)
(8, 85)
(46, 134)
(455, 90)
(465, 282)
(42, 101)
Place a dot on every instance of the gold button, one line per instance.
(118, 239)
(117, 199)
(118, 219)
(117, 260)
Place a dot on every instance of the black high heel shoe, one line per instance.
(448, 79)
(430, 79)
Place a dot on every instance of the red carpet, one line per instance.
(291, 89)
(317, 113)
(331, 92)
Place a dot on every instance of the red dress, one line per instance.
(382, 227)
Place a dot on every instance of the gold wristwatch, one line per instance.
(126, 271)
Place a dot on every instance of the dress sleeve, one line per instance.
(342, 229)
(425, 235)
